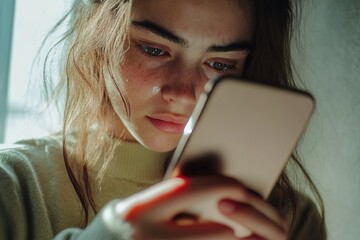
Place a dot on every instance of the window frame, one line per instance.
(7, 12)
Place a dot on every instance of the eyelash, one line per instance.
(221, 66)
(146, 50)
(155, 52)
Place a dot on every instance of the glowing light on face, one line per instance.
(169, 59)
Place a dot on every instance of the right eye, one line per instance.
(153, 51)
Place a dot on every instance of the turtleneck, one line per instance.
(134, 162)
(132, 168)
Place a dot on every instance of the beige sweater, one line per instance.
(38, 201)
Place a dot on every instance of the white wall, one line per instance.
(332, 144)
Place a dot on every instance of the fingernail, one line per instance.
(227, 206)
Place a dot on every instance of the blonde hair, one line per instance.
(95, 41)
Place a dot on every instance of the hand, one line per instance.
(153, 212)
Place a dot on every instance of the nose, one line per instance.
(183, 87)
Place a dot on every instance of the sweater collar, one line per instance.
(132, 161)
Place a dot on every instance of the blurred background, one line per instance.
(329, 66)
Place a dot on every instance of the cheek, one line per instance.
(134, 73)
(140, 77)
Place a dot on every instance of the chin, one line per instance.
(161, 144)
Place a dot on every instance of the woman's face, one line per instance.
(175, 48)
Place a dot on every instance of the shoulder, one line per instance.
(28, 160)
(32, 146)
(306, 222)
(26, 178)
(30, 151)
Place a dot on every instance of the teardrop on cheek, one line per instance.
(155, 90)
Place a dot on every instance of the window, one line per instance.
(32, 21)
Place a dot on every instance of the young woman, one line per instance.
(133, 71)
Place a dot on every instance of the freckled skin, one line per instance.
(180, 76)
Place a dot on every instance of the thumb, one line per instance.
(145, 203)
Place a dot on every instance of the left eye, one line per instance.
(221, 66)
(152, 51)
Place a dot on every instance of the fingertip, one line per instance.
(182, 181)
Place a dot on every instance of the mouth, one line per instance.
(169, 123)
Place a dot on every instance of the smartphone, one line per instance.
(246, 130)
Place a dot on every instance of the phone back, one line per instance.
(248, 131)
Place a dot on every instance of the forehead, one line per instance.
(213, 21)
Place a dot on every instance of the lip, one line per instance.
(170, 123)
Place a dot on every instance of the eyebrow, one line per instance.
(166, 34)
(160, 31)
(236, 46)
